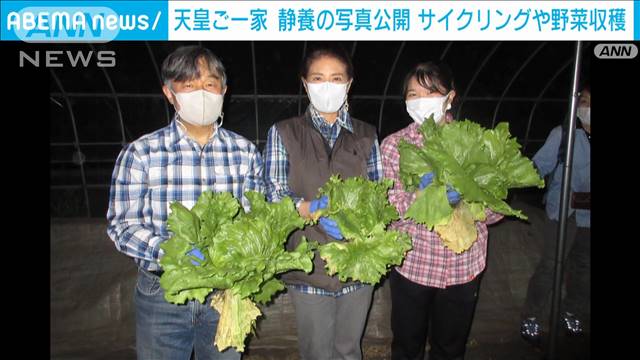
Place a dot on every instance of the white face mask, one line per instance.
(584, 113)
(199, 107)
(327, 97)
(422, 108)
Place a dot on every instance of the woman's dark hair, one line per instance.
(317, 51)
(431, 76)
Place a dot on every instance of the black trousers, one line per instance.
(577, 271)
(442, 315)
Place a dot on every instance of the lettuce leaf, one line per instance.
(243, 254)
(362, 211)
(237, 319)
(481, 164)
(460, 232)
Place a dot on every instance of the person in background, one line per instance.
(549, 160)
(434, 292)
(191, 155)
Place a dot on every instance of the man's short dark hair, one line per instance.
(182, 64)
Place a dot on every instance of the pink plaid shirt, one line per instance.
(429, 263)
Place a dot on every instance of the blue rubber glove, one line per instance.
(452, 195)
(425, 180)
(195, 252)
(330, 227)
(319, 204)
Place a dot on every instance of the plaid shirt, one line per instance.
(429, 263)
(167, 166)
(277, 172)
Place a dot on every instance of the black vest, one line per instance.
(311, 163)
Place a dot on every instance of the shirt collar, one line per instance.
(177, 131)
(414, 130)
(343, 119)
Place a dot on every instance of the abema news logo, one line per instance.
(92, 23)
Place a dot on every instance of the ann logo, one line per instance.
(616, 51)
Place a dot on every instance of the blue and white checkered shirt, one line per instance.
(277, 172)
(167, 166)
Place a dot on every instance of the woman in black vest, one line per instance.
(300, 155)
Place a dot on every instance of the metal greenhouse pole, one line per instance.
(564, 207)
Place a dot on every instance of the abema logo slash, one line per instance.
(73, 24)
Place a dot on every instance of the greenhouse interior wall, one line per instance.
(97, 111)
